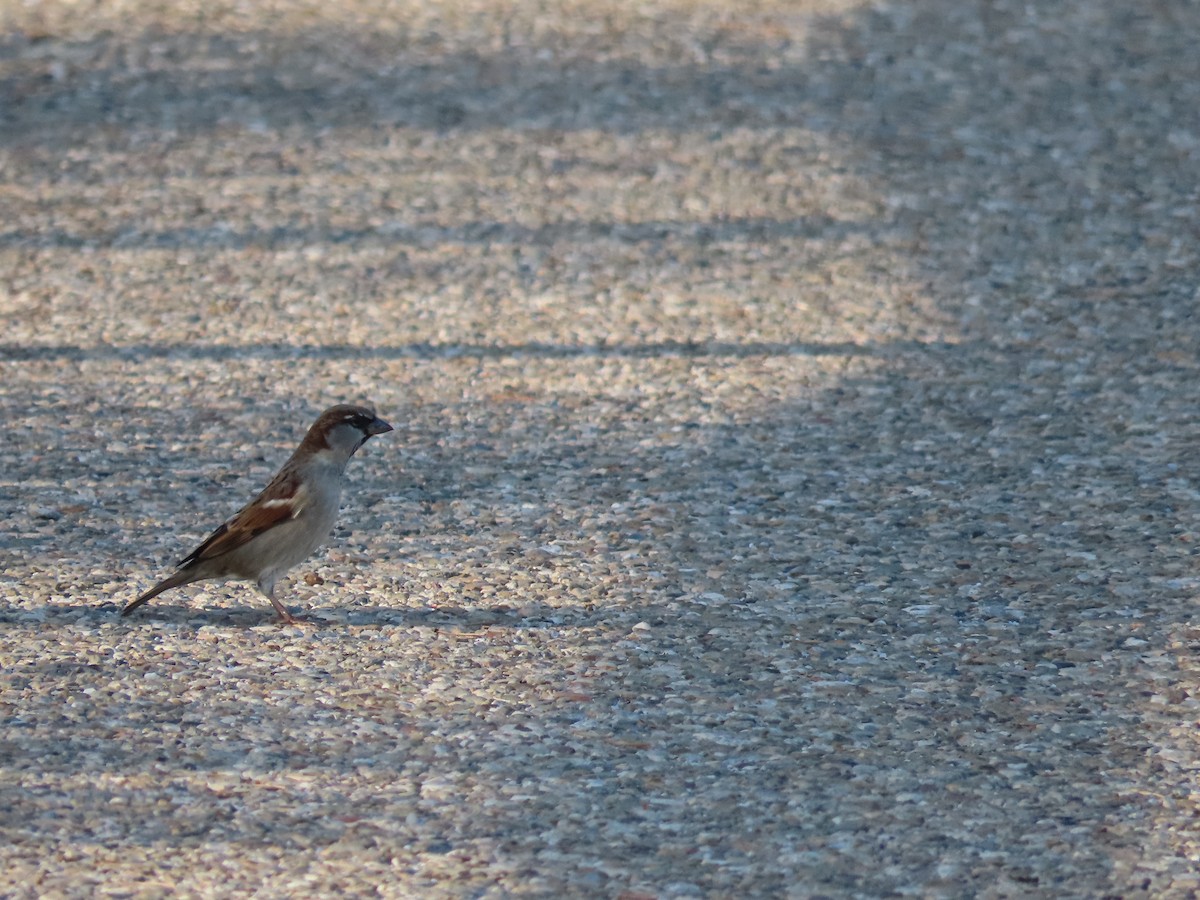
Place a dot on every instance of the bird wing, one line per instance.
(282, 500)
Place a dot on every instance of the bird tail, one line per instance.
(166, 584)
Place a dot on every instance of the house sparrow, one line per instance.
(289, 519)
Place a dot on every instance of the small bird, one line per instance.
(293, 515)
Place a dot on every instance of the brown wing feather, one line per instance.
(281, 500)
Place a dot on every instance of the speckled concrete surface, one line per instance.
(794, 490)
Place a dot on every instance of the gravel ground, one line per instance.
(794, 490)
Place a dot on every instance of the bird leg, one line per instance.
(285, 617)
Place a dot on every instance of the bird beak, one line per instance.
(378, 426)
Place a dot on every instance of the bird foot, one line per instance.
(290, 619)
